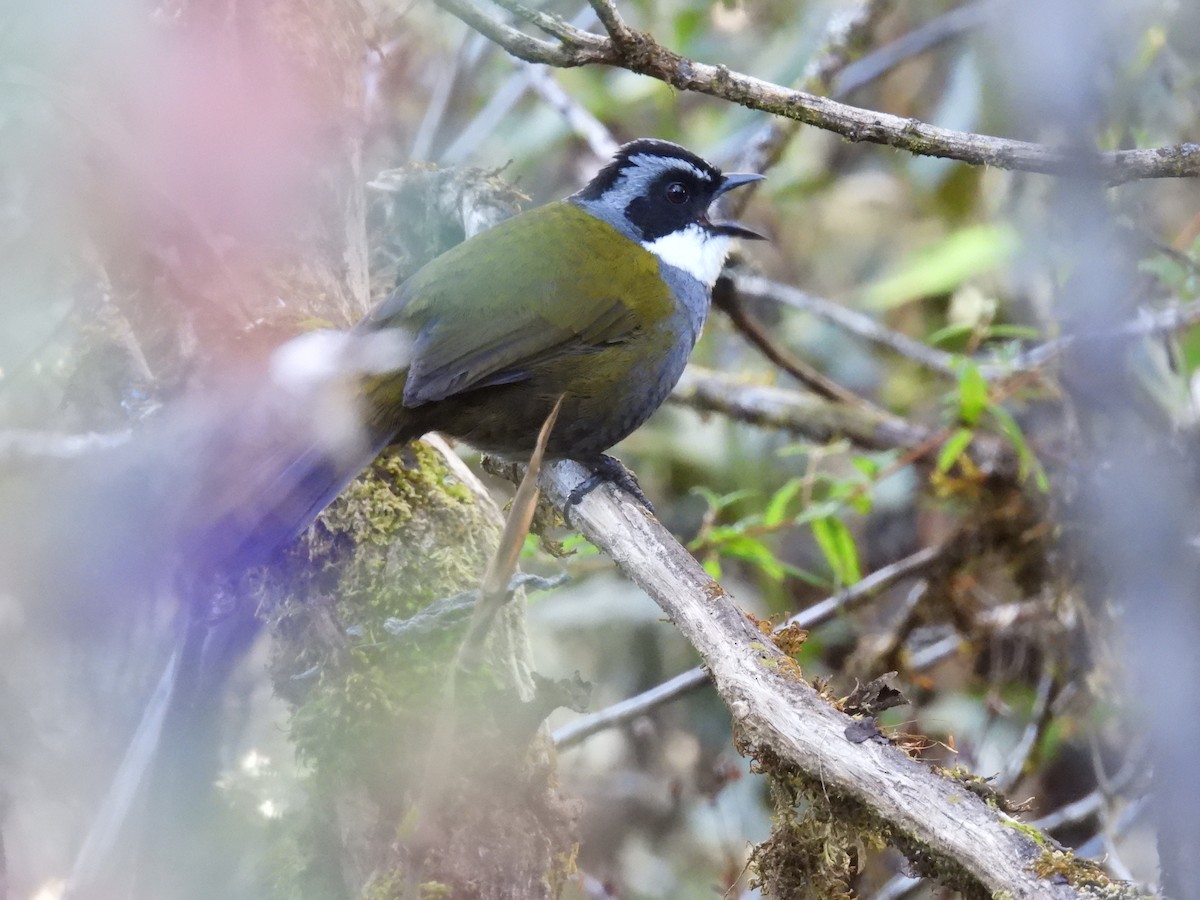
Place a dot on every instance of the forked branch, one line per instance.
(626, 48)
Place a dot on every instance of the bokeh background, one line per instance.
(148, 178)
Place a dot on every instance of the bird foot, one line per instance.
(612, 470)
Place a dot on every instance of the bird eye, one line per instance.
(677, 192)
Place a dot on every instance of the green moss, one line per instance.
(565, 868)
(366, 699)
(403, 535)
(1030, 831)
(818, 840)
(821, 835)
(387, 885)
(981, 787)
(1088, 877)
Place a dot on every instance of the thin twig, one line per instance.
(1129, 816)
(577, 47)
(500, 102)
(1166, 320)
(1148, 323)
(494, 592)
(1039, 718)
(621, 34)
(729, 302)
(844, 34)
(639, 52)
(1089, 805)
(795, 411)
(947, 26)
(635, 707)
(439, 101)
(599, 139)
(758, 288)
(815, 615)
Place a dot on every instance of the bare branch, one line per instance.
(780, 715)
(1039, 719)
(1134, 768)
(577, 47)
(639, 52)
(619, 713)
(1073, 813)
(1166, 320)
(1169, 319)
(577, 116)
(622, 35)
(844, 34)
(729, 302)
(857, 323)
(947, 26)
(801, 413)
(686, 682)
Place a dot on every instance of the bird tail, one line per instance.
(292, 446)
(216, 485)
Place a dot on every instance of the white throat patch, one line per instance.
(698, 252)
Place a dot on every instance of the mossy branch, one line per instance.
(777, 714)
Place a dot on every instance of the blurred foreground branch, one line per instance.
(640, 53)
(790, 729)
(17, 445)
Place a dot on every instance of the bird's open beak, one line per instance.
(729, 182)
(736, 229)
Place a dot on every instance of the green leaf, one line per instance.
(862, 503)
(1167, 270)
(951, 333)
(719, 502)
(943, 267)
(953, 448)
(972, 393)
(1027, 460)
(720, 535)
(755, 552)
(837, 545)
(1014, 332)
(868, 465)
(579, 546)
(712, 566)
(780, 500)
(815, 511)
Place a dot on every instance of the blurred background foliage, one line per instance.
(1007, 669)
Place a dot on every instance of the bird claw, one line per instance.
(613, 471)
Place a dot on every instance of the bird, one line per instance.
(597, 298)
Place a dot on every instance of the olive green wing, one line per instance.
(490, 310)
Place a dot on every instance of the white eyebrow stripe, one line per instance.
(674, 163)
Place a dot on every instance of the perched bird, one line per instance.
(598, 298)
